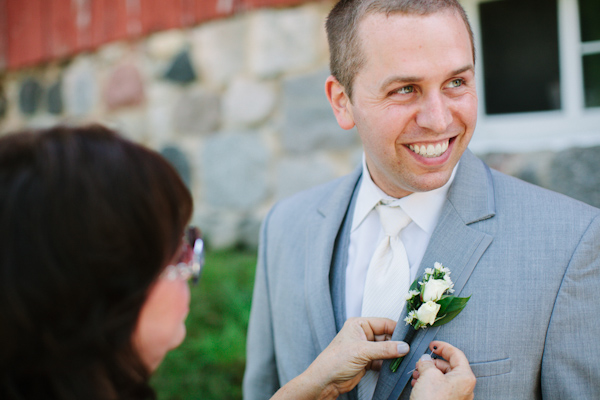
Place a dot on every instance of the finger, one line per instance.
(416, 374)
(383, 338)
(380, 326)
(384, 350)
(457, 362)
(452, 354)
(412, 382)
(425, 363)
(364, 326)
(442, 365)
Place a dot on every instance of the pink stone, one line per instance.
(124, 87)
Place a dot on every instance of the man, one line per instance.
(403, 74)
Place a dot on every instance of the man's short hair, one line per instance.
(346, 57)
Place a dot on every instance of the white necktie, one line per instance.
(388, 280)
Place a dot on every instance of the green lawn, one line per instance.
(210, 362)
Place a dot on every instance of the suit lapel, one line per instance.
(458, 247)
(322, 230)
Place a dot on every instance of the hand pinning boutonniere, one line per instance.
(429, 302)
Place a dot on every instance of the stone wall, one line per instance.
(574, 172)
(238, 106)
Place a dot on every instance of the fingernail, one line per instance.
(403, 348)
(425, 357)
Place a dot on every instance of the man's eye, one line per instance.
(456, 83)
(406, 90)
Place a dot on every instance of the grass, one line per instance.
(210, 362)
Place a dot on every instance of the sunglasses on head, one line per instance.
(191, 258)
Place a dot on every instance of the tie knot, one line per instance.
(393, 219)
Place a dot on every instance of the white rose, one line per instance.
(428, 312)
(434, 289)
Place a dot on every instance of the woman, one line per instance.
(93, 273)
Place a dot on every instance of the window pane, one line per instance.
(520, 55)
(591, 80)
(589, 15)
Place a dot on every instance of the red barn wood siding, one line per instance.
(25, 37)
(61, 29)
(3, 35)
(35, 31)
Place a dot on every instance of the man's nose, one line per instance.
(434, 113)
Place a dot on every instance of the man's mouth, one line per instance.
(430, 150)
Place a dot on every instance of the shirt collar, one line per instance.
(424, 208)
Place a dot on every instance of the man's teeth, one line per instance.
(430, 151)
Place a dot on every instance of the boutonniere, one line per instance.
(429, 302)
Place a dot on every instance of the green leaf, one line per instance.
(446, 318)
(452, 303)
(452, 307)
(415, 285)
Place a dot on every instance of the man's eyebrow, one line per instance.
(463, 69)
(416, 79)
(401, 79)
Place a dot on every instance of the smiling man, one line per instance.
(402, 73)
(413, 100)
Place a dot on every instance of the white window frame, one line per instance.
(573, 125)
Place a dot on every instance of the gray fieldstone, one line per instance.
(309, 121)
(249, 232)
(235, 170)
(181, 69)
(54, 99)
(112, 53)
(130, 122)
(220, 228)
(218, 48)
(575, 173)
(197, 112)
(247, 102)
(179, 161)
(165, 45)
(300, 173)
(530, 167)
(80, 87)
(124, 87)
(30, 96)
(283, 40)
(160, 98)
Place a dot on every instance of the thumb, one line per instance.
(385, 350)
(425, 363)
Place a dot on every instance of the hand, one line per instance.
(440, 379)
(362, 344)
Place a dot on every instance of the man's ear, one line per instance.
(340, 103)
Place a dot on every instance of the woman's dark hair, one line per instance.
(88, 220)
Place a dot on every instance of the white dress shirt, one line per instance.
(424, 208)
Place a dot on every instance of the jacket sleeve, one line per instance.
(260, 379)
(572, 349)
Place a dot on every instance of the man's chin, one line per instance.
(430, 183)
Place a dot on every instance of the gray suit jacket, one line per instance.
(529, 258)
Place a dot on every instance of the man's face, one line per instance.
(415, 93)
